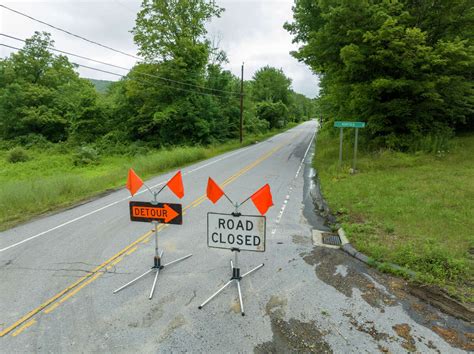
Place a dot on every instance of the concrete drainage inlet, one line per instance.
(326, 239)
(333, 240)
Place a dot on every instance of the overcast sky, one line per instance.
(248, 31)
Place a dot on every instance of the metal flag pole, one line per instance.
(236, 276)
(157, 265)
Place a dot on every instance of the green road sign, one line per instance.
(339, 124)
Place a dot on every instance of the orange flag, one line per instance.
(262, 199)
(214, 192)
(176, 185)
(134, 182)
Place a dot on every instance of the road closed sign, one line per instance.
(245, 232)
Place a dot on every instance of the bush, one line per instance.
(86, 155)
(17, 154)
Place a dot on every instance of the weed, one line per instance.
(17, 154)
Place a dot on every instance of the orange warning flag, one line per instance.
(214, 192)
(262, 199)
(176, 185)
(134, 182)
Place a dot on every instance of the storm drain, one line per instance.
(333, 240)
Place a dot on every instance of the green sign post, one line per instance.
(342, 125)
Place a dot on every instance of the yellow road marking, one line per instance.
(131, 251)
(77, 289)
(25, 326)
(51, 308)
(93, 275)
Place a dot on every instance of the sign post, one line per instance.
(237, 233)
(156, 213)
(342, 125)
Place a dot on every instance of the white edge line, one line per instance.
(278, 219)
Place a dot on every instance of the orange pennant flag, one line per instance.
(134, 182)
(262, 199)
(176, 185)
(214, 192)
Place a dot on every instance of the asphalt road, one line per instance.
(58, 273)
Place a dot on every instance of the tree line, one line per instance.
(403, 66)
(179, 94)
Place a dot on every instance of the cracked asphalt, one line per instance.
(56, 289)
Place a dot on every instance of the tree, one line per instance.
(276, 114)
(395, 64)
(41, 93)
(174, 30)
(271, 84)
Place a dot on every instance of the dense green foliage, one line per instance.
(180, 94)
(43, 98)
(403, 66)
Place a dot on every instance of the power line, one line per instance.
(68, 53)
(70, 33)
(127, 69)
(127, 77)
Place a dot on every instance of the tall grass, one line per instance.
(50, 180)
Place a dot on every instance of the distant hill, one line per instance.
(100, 85)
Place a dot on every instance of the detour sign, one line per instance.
(165, 213)
(245, 232)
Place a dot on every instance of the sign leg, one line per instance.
(253, 270)
(355, 149)
(133, 281)
(177, 260)
(154, 283)
(215, 294)
(240, 298)
(340, 147)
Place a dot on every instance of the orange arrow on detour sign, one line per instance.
(165, 213)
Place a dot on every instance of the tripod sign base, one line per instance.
(157, 266)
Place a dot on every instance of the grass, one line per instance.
(49, 180)
(415, 210)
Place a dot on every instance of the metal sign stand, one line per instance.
(236, 277)
(157, 266)
(343, 125)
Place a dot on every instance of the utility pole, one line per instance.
(242, 104)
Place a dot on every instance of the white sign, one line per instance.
(245, 232)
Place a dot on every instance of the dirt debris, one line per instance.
(465, 341)
(437, 297)
(291, 336)
(367, 327)
(403, 331)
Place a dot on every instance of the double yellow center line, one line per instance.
(52, 303)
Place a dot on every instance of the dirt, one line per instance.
(456, 339)
(397, 291)
(437, 297)
(403, 331)
(367, 327)
(292, 336)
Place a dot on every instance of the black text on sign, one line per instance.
(245, 232)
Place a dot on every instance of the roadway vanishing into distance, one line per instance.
(58, 274)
